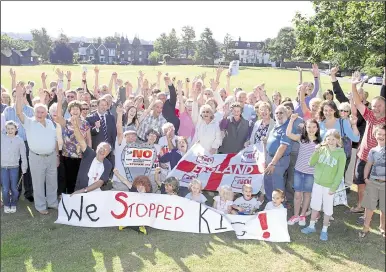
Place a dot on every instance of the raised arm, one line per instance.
(339, 94)
(122, 178)
(159, 74)
(96, 81)
(78, 136)
(68, 76)
(292, 136)
(112, 82)
(357, 100)
(172, 91)
(228, 84)
(300, 75)
(147, 111)
(302, 98)
(59, 111)
(19, 102)
(13, 78)
(187, 88)
(119, 124)
(180, 97)
(316, 74)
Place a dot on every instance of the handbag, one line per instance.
(340, 197)
(346, 141)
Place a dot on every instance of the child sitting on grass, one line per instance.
(195, 188)
(277, 200)
(224, 201)
(246, 204)
(374, 174)
(329, 160)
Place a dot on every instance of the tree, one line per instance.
(8, 43)
(42, 42)
(166, 58)
(282, 47)
(154, 57)
(227, 50)
(167, 44)
(187, 39)
(351, 34)
(62, 53)
(207, 48)
(161, 44)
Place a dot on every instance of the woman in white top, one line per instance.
(263, 126)
(207, 132)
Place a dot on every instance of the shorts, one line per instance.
(359, 172)
(321, 198)
(303, 182)
(375, 191)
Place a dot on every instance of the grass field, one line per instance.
(285, 81)
(32, 242)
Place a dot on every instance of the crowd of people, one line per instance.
(69, 140)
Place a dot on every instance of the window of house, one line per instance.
(129, 59)
(90, 58)
(241, 60)
(102, 59)
(242, 52)
(140, 53)
(129, 52)
(247, 51)
(236, 44)
(140, 59)
(248, 45)
(102, 52)
(91, 51)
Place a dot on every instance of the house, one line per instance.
(251, 52)
(19, 57)
(105, 53)
(135, 52)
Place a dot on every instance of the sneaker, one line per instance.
(308, 230)
(143, 230)
(7, 209)
(121, 227)
(302, 221)
(293, 220)
(13, 209)
(323, 236)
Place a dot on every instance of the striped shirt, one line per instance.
(10, 115)
(305, 152)
(149, 122)
(368, 140)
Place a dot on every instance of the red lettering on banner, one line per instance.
(137, 210)
(131, 208)
(175, 213)
(167, 212)
(159, 210)
(118, 198)
(264, 224)
(139, 153)
(152, 208)
(215, 178)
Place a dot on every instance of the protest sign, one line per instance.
(173, 213)
(235, 170)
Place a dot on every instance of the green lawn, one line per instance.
(284, 81)
(32, 242)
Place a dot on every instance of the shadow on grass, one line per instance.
(37, 244)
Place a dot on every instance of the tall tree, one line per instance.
(282, 47)
(351, 34)
(161, 44)
(227, 50)
(8, 43)
(207, 47)
(167, 44)
(173, 43)
(187, 39)
(42, 42)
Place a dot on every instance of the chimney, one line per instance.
(239, 39)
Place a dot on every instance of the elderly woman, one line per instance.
(263, 126)
(207, 132)
(276, 100)
(278, 150)
(72, 153)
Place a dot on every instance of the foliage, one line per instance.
(166, 58)
(345, 33)
(8, 43)
(282, 47)
(207, 47)
(154, 57)
(42, 42)
(187, 39)
(227, 50)
(61, 52)
(167, 44)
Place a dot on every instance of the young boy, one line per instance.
(277, 200)
(246, 204)
(375, 185)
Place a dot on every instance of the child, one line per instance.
(304, 174)
(246, 204)
(329, 160)
(12, 148)
(224, 201)
(195, 194)
(277, 200)
(374, 174)
(175, 155)
(170, 186)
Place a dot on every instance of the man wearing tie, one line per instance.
(103, 127)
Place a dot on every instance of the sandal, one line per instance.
(363, 234)
(43, 212)
(357, 210)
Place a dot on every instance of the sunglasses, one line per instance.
(344, 111)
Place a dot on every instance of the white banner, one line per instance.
(235, 170)
(173, 213)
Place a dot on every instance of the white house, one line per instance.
(251, 52)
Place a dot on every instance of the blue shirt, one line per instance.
(296, 129)
(346, 129)
(10, 115)
(248, 112)
(276, 138)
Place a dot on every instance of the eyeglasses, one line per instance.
(344, 111)
(279, 113)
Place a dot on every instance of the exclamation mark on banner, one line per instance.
(264, 225)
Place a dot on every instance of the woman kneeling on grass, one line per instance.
(329, 160)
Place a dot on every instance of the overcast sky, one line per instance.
(252, 21)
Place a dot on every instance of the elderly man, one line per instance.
(248, 110)
(10, 115)
(44, 153)
(278, 151)
(154, 120)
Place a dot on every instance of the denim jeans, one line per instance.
(276, 179)
(9, 180)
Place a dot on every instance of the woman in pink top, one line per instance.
(187, 126)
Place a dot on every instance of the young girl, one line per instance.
(304, 174)
(170, 186)
(12, 148)
(224, 201)
(329, 160)
(195, 188)
(246, 204)
(277, 200)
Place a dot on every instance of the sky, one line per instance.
(252, 21)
